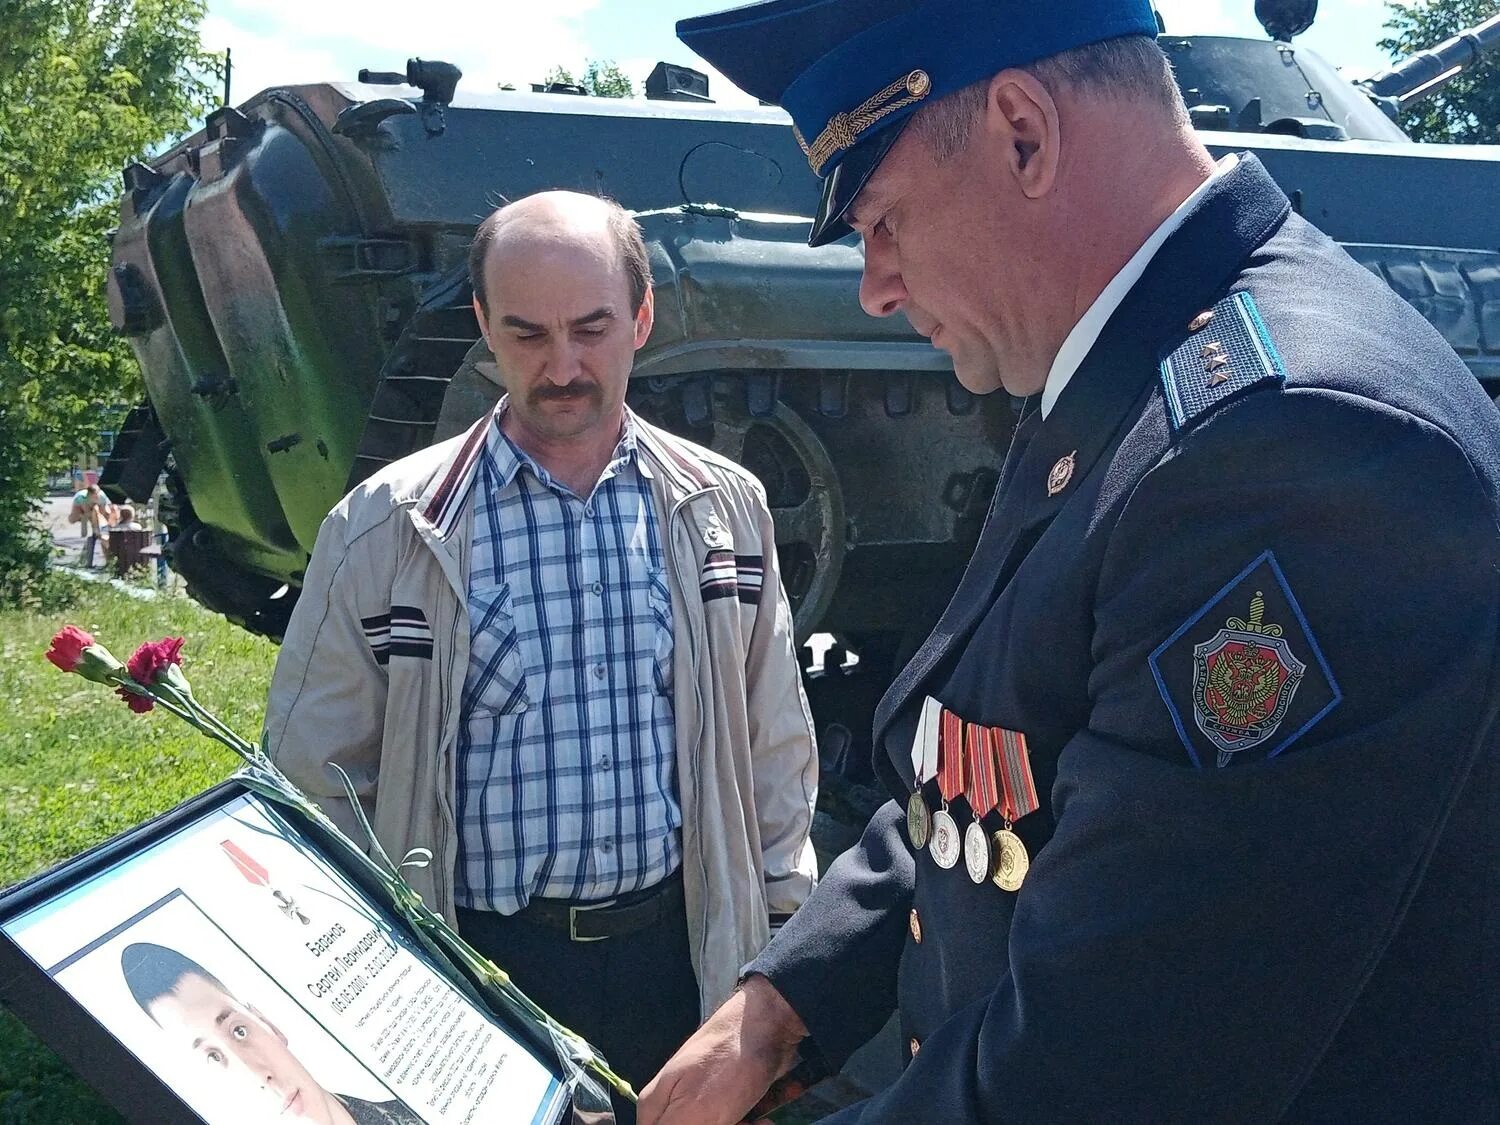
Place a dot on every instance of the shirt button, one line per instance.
(599, 671)
(915, 925)
(588, 511)
(606, 847)
(604, 762)
(597, 587)
(915, 1047)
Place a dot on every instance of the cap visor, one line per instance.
(844, 183)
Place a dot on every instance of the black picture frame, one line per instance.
(91, 1050)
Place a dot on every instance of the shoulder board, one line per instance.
(1227, 350)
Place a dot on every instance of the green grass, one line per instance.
(77, 767)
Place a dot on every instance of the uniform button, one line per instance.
(916, 927)
(597, 587)
(599, 671)
(915, 1046)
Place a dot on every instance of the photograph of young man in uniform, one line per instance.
(238, 1044)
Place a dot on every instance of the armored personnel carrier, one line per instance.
(292, 279)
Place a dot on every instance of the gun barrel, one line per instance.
(1429, 71)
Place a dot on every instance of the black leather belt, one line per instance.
(597, 921)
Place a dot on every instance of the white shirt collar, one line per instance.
(1085, 333)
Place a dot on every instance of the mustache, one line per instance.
(550, 392)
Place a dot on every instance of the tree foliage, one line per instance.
(601, 77)
(1467, 110)
(85, 87)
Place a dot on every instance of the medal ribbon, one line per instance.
(924, 743)
(951, 756)
(984, 785)
(1015, 775)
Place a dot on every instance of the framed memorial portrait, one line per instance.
(219, 965)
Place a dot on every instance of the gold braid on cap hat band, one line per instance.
(843, 129)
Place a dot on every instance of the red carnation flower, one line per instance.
(67, 648)
(148, 664)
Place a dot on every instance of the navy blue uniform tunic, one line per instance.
(1285, 911)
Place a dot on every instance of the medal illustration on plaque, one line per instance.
(947, 844)
(924, 757)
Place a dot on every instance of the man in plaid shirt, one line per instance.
(556, 652)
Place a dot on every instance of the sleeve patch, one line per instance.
(1227, 350)
(1244, 678)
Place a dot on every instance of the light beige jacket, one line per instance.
(747, 766)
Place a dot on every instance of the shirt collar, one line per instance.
(506, 458)
(1085, 334)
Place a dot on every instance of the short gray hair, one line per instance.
(1132, 66)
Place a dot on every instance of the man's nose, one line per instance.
(564, 362)
(881, 290)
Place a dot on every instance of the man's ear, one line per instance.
(1021, 114)
(484, 328)
(645, 317)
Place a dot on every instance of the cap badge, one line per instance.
(1061, 474)
(844, 129)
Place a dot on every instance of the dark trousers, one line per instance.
(634, 997)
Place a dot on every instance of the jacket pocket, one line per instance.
(661, 622)
(496, 682)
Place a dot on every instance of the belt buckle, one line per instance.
(573, 935)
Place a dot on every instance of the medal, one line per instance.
(977, 852)
(1011, 861)
(918, 821)
(983, 797)
(1019, 799)
(945, 846)
(924, 761)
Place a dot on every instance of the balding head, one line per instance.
(561, 218)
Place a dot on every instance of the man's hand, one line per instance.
(718, 1075)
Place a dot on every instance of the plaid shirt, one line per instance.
(566, 760)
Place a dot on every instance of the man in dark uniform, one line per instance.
(1222, 670)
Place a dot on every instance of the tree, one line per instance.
(601, 77)
(1467, 110)
(85, 87)
(604, 79)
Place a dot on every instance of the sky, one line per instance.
(279, 42)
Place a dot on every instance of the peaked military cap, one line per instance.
(852, 72)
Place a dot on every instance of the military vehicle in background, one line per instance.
(292, 279)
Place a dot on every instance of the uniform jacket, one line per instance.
(1309, 931)
(372, 668)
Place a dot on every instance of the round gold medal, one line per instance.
(1011, 861)
(946, 844)
(918, 821)
(977, 852)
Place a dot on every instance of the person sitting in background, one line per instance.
(125, 520)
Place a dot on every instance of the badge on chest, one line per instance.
(990, 768)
